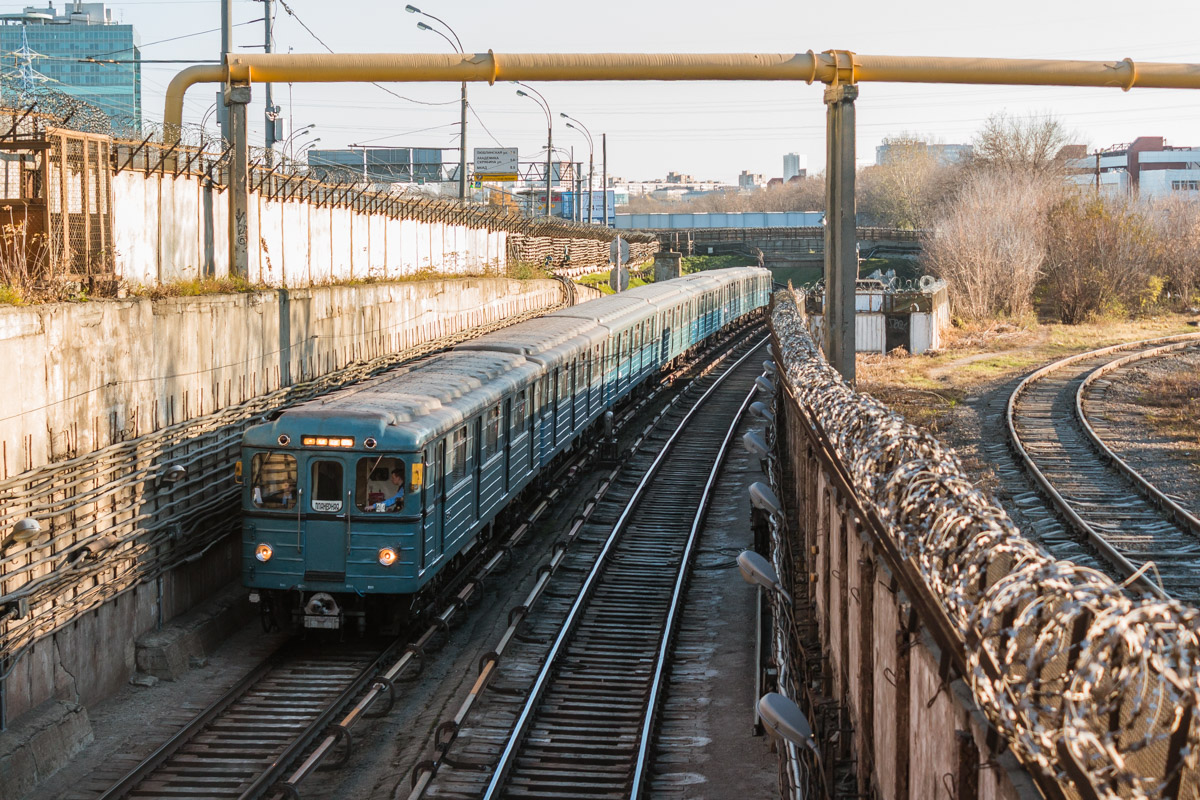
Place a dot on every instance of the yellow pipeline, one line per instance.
(829, 67)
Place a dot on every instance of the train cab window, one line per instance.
(456, 455)
(273, 481)
(326, 486)
(491, 432)
(379, 484)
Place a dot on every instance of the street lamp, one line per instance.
(304, 131)
(591, 152)
(462, 133)
(541, 101)
(309, 146)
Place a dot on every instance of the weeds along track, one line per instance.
(1134, 526)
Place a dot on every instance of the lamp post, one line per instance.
(462, 133)
(290, 140)
(591, 152)
(541, 101)
(309, 146)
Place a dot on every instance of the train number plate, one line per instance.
(326, 623)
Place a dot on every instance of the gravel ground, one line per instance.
(1117, 411)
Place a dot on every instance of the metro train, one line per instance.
(355, 502)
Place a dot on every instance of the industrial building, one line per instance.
(1147, 166)
(52, 49)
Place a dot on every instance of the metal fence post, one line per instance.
(841, 251)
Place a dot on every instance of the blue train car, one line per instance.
(357, 501)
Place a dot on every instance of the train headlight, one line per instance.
(263, 552)
(387, 556)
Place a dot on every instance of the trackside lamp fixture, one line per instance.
(769, 367)
(755, 445)
(760, 410)
(762, 498)
(764, 383)
(24, 531)
(757, 571)
(784, 720)
(170, 476)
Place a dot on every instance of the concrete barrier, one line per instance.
(109, 392)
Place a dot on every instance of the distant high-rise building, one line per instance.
(750, 180)
(794, 166)
(49, 48)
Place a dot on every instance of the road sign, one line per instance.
(612, 251)
(496, 163)
(612, 279)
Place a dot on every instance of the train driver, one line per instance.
(397, 500)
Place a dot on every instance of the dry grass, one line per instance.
(1172, 404)
(928, 389)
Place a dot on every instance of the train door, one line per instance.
(327, 528)
(433, 500)
(509, 431)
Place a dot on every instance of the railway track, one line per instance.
(243, 744)
(1141, 532)
(588, 679)
(230, 750)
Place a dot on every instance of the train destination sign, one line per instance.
(496, 163)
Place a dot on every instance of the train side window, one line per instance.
(380, 484)
(456, 455)
(491, 432)
(516, 420)
(564, 382)
(273, 480)
(580, 375)
(326, 486)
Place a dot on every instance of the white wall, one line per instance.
(159, 227)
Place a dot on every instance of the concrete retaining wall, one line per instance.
(90, 374)
(168, 228)
(89, 377)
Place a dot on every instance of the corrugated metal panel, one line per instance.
(868, 301)
(920, 332)
(869, 333)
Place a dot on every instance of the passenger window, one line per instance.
(580, 374)
(380, 484)
(491, 432)
(326, 486)
(273, 480)
(564, 383)
(456, 456)
(517, 417)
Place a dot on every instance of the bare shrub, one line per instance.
(1175, 223)
(1020, 144)
(1099, 258)
(905, 191)
(989, 243)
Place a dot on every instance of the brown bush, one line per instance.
(1099, 258)
(989, 242)
(1175, 222)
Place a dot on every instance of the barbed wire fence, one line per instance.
(1092, 685)
(552, 244)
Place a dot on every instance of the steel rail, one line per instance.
(506, 757)
(1181, 514)
(685, 568)
(1098, 540)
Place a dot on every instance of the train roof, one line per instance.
(534, 336)
(662, 293)
(402, 410)
(606, 310)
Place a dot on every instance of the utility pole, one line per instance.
(604, 174)
(270, 112)
(549, 173)
(1097, 171)
(462, 148)
(841, 246)
(226, 47)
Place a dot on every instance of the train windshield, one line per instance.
(273, 480)
(380, 484)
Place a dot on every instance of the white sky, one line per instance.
(708, 130)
